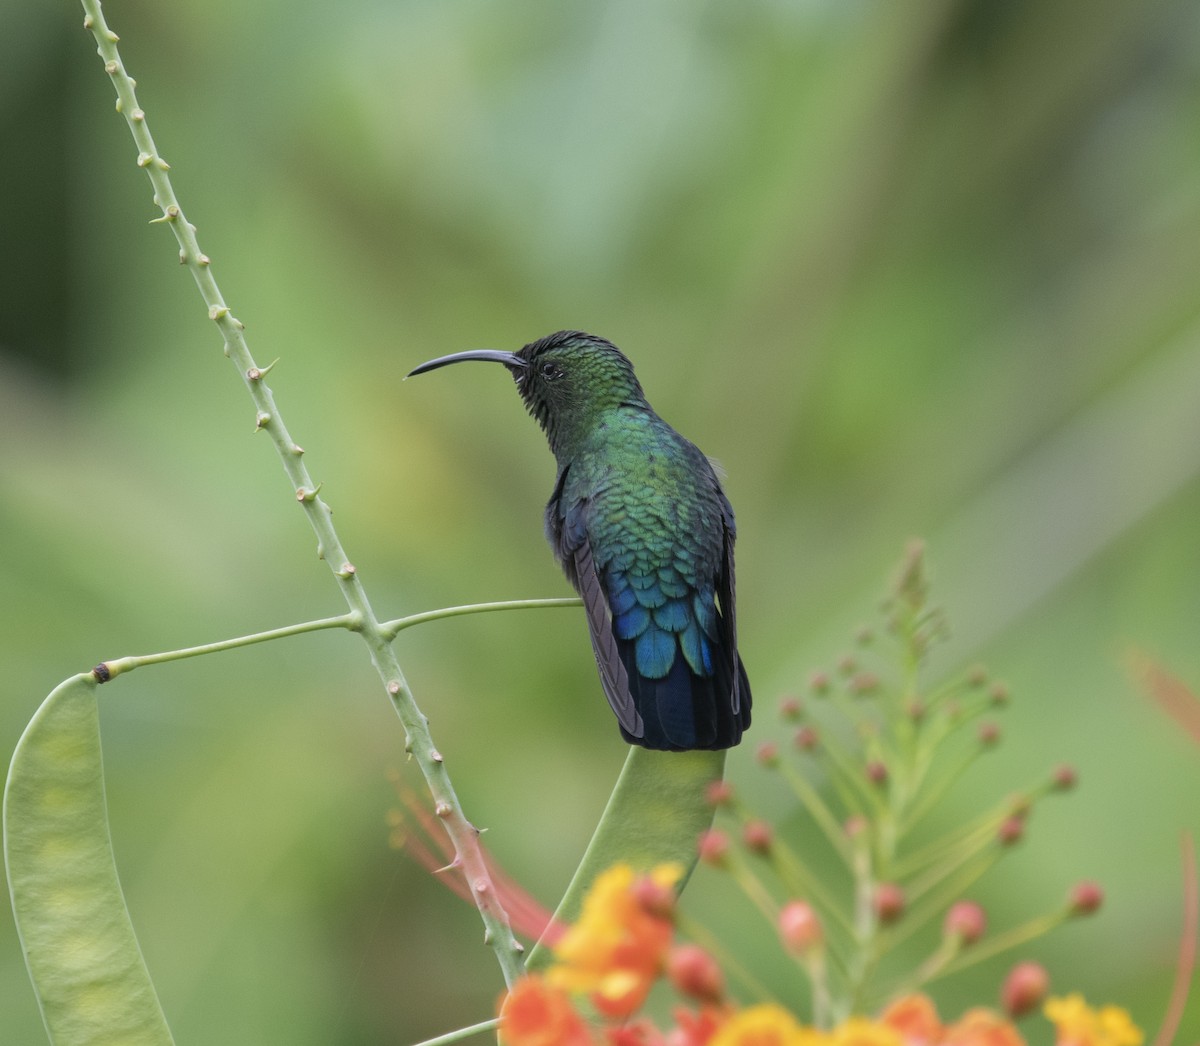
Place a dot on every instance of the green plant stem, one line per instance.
(753, 887)
(393, 628)
(803, 882)
(848, 777)
(120, 665)
(818, 977)
(1003, 942)
(936, 792)
(866, 928)
(927, 904)
(815, 804)
(464, 836)
(461, 1033)
(980, 952)
(956, 846)
(933, 967)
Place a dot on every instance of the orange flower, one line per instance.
(982, 1027)
(860, 1031)
(916, 1020)
(535, 1013)
(1078, 1024)
(766, 1025)
(616, 949)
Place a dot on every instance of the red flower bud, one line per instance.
(818, 683)
(877, 772)
(800, 928)
(965, 920)
(757, 836)
(694, 973)
(1064, 778)
(806, 738)
(864, 684)
(654, 898)
(767, 754)
(718, 793)
(713, 846)
(855, 825)
(1011, 830)
(1024, 989)
(791, 709)
(989, 734)
(1086, 897)
(889, 902)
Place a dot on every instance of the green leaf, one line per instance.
(87, 970)
(655, 814)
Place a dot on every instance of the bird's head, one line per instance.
(567, 380)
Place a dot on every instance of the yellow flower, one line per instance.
(1078, 1024)
(765, 1025)
(860, 1031)
(616, 949)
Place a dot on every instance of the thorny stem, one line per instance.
(497, 931)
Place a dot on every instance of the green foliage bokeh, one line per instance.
(926, 268)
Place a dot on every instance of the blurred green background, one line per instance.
(922, 268)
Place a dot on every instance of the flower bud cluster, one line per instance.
(854, 874)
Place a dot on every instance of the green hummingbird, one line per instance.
(643, 531)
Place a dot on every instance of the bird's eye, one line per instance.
(550, 370)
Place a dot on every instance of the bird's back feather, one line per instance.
(653, 562)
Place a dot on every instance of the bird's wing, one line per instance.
(566, 527)
(726, 594)
(614, 677)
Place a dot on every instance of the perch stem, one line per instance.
(418, 742)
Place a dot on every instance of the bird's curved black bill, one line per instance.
(509, 359)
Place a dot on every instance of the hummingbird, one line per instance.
(643, 531)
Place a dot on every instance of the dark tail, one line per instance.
(684, 711)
